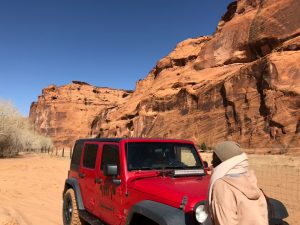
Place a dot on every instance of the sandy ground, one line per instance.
(31, 186)
(31, 190)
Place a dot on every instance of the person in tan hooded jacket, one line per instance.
(234, 197)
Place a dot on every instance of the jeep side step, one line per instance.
(92, 220)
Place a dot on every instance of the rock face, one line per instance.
(66, 113)
(242, 83)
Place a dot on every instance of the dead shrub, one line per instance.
(17, 134)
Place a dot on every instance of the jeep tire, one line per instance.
(70, 210)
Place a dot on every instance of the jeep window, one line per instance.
(110, 155)
(149, 155)
(77, 151)
(90, 155)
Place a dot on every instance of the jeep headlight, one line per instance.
(200, 213)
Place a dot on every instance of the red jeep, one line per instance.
(140, 182)
(134, 181)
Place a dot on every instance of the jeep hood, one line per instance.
(173, 189)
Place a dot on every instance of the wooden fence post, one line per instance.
(71, 152)
(63, 152)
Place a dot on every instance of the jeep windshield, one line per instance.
(161, 155)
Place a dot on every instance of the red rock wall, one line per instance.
(66, 113)
(241, 83)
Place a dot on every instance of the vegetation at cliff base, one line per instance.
(17, 134)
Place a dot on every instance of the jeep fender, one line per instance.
(276, 210)
(160, 213)
(73, 183)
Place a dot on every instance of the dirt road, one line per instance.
(31, 190)
(31, 186)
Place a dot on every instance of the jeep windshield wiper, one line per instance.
(143, 168)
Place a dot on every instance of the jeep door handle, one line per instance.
(98, 180)
(81, 175)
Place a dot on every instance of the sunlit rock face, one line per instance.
(242, 83)
(67, 112)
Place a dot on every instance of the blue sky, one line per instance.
(107, 43)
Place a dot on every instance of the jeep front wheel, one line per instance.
(70, 210)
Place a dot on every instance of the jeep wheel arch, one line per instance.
(139, 219)
(157, 212)
(276, 212)
(73, 183)
(70, 209)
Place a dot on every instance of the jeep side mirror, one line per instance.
(111, 170)
(205, 163)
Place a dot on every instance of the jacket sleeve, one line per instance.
(223, 205)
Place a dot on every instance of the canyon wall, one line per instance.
(66, 113)
(242, 83)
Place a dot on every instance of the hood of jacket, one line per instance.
(245, 183)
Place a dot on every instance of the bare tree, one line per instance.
(16, 133)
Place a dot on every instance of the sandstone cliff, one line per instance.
(66, 113)
(241, 83)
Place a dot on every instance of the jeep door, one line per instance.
(108, 204)
(87, 173)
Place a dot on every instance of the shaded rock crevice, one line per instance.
(169, 63)
(230, 112)
(129, 116)
(270, 27)
(275, 127)
(231, 10)
(297, 131)
(264, 111)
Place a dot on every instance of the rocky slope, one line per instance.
(241, 83)
(66, 113)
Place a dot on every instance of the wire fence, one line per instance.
(58, 152)
(279, 177)
(281, 182)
